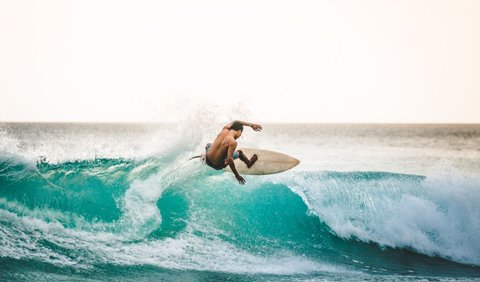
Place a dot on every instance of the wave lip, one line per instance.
(437, 217)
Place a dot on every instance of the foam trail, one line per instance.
(50, 241)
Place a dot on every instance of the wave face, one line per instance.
(156, 217)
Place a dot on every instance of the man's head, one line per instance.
(238, 128)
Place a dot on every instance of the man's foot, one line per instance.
(253, 160)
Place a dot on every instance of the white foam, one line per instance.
(439, 217)
(185, 252)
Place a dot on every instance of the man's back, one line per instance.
(219, 149)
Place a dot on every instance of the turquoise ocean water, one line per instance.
(90, 202)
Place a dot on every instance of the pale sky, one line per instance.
(273, 61)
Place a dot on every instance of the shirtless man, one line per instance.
(222, 152)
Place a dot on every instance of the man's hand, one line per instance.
(240, 179)
(256, 127)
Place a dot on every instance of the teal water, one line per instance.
(110, 202)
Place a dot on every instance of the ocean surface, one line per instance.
(118, 202)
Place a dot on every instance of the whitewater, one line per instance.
(118, 202)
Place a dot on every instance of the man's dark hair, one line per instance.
(237, 126)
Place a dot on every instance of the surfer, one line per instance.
(222, 151)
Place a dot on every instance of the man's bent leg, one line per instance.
(248, 162)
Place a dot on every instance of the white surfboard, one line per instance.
(269, 162)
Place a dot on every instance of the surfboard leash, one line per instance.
(192, 158)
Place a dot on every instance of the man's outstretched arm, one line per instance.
(254, 126)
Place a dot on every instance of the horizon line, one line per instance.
(267, 122)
